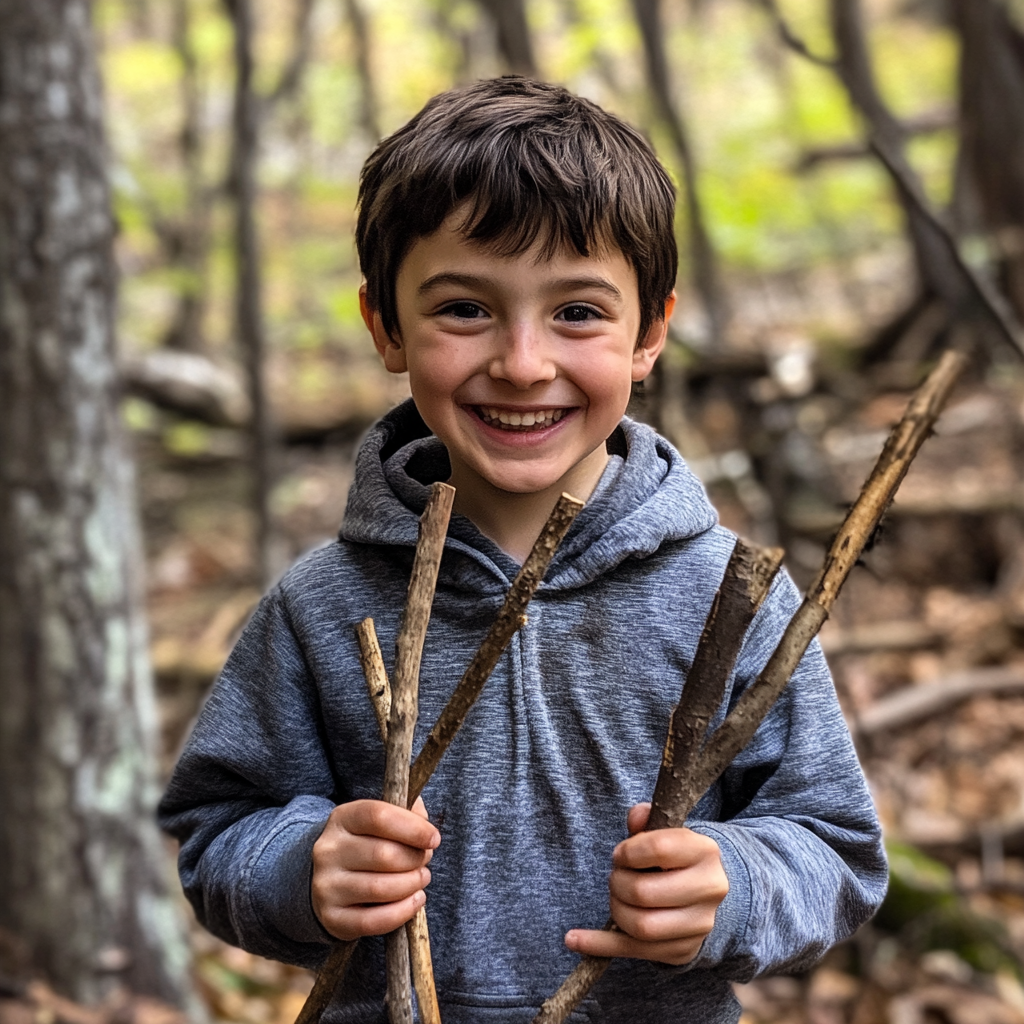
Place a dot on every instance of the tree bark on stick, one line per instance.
(509, 619)
(745, 584)
(741, 723)
(84, 879)
(404, 703)
(372, 661)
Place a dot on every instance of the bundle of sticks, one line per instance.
(692, 759)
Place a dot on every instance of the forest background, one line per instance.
(851, 181)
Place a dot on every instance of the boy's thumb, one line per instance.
(636, 820)
(420, 808)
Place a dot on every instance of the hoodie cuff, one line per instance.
(281, 879)
(733, 914)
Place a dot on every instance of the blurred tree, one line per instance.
(992, 131)
(368, 114)
(82, 867)
(514, 40)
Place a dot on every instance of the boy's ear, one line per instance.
(647, 351)
(390, 348)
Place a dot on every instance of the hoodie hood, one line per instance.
(647, 497)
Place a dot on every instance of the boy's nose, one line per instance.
(523, 357)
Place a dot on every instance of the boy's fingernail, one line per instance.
(571, 940)
(435, 841)
(419, 899)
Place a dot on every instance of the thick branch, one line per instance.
(404, 704)
(748, 577)
(509, 619)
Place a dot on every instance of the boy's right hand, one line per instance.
(370, 867)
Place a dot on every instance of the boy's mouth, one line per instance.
(519, 422)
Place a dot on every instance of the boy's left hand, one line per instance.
(663, 915)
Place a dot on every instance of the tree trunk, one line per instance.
(939, 275)
(992, 130)
(248, 282)
(514, 40)
(83, 875)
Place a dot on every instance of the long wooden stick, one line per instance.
(404, 708)
(523, 587)
(509, 619)
(745, 584)
(419, 937)
(741, 723)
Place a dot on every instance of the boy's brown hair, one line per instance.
(530, 160)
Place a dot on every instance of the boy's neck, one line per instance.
(514, 521)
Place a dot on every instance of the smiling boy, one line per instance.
(519, 258)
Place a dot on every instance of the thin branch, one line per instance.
(509, 619)
(377, 684)
(294, 70)
(998, 310)
(748, 577)
(404, 707)
(910, 705)
(790, 39)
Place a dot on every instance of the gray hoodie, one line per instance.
(532, 795)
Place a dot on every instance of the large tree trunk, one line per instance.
(992, 130)
(83, 876)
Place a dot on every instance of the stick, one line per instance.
(740, 725)
(509, 619)
(416, 930)
(511, 615)
(748, 577)
(404, 704)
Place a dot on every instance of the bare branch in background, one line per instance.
(790, 38)
(290, 81)
(368, 118)
(706, 275)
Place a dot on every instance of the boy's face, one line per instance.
(522, 366)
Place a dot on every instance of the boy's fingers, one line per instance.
(682, 887)
(359, 887)
(386, 821)
(365, 853)
(636, 820)
(420, 808)
(664, 924)
(666, 848)
(609, 944)
(353, 922)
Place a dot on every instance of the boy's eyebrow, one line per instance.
(472, 280)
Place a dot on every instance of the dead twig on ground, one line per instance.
(740, 725)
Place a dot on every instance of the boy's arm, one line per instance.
(251, 794)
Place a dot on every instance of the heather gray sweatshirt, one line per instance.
(532, 795)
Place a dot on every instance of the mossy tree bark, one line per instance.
(83, 873)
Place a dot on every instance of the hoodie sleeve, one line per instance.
(800, 840)
(251, 794)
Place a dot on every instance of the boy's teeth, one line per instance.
(504, 419)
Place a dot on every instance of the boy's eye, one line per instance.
(578, 314)
(464, 311)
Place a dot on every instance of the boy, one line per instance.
(519, 258)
